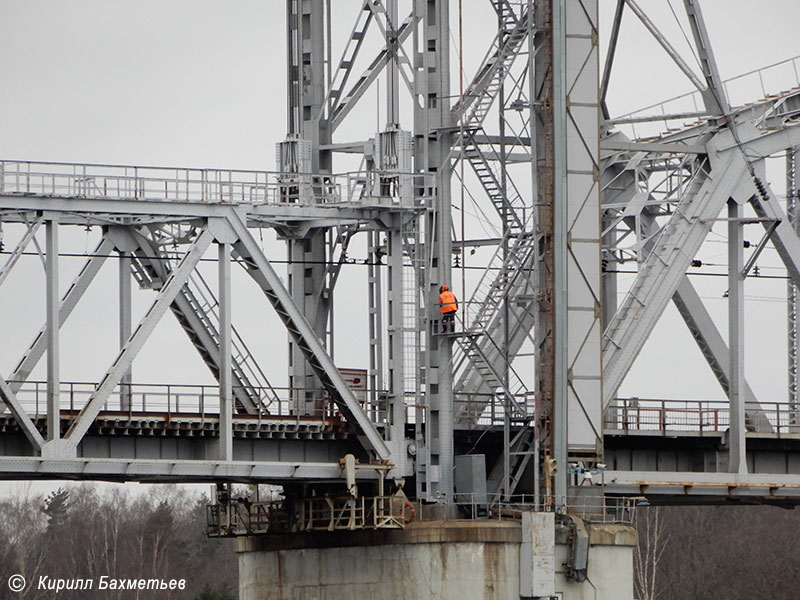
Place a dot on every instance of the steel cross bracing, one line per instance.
(529, 124)
(697, 202)
(662, 195)
(196, 309)
(180, 289)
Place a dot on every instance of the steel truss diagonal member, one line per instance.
(68, 302)
(306, 339)
(23, 420)
(199, 326)
(20, 248)
(663, 269)
(786, 242)
(705, 333)
(123, 362)
(713, 347)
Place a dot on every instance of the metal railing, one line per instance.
(225, 186)
(701, 416)
(591, 508)
(771, 80)
(493, 407)
(174, 400)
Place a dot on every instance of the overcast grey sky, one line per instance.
(201, 83)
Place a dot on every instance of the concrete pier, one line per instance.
(462, 560)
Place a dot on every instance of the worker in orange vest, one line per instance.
(449, 308)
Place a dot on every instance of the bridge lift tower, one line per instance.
(548, 330)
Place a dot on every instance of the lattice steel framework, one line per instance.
(572, 191)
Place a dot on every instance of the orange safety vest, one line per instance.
(448, 301)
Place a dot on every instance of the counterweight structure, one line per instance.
(547, 331)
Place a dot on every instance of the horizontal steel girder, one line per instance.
(638, 483)
(178, 471)
(77, 210)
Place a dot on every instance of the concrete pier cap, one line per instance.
(534, 557)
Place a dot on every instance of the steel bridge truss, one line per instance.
(568, 193)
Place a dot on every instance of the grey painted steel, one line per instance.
(351, 98)
(225, 362)
(304, 336)
(123, 361)
(793, 214)
(432, 143)
(53, 334)
(32, 228)
(173, 470)
(76, 290)
(75, 211)
(612, 49)
(712, 345)
(583, 358)
(309, 284)
(661, 272)
(560, 291)
(22, 418)
(773, 486)
(736, 435)
(194, 310)
(316, 107)
(673, 54)
(714, 96)
(125, 323)
(785, 240)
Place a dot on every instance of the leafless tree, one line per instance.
(89, 533)
(653, 536)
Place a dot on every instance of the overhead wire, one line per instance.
(350, 261)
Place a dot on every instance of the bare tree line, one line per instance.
(88, 533)
(717, 553)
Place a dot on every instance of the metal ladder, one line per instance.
(196, 309)
(480, 94)
(510, 280)
(521, 451)
(414, 318)
(513, 206)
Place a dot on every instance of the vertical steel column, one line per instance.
(396, 360)
(433, 139)
(393, 68)
(225, 360)
(374, 315)
(505, 217)
(397, 392)
(736, 434)
(533, 133)
(125, 309)
(582, 367)
(560, 338)
(307, 59)
(792, 212)
(569, 310)
(543, 323)
(53, 358)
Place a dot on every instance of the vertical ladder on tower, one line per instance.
(414, 317)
